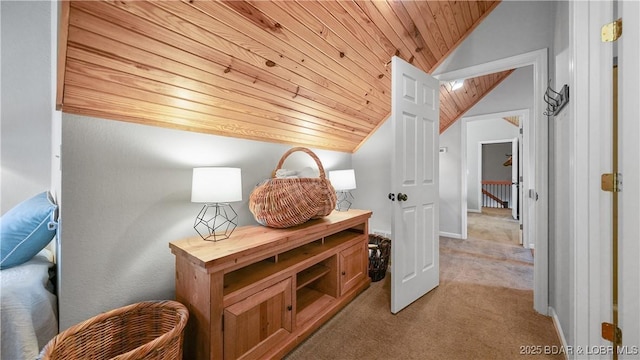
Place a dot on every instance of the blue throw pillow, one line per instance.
(26, 229)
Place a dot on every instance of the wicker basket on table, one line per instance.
(379, 251)
(145, 330)
(287, 202)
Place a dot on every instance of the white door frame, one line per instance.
(539, 144)
(590, 146)
(480, 143)
(528, 170)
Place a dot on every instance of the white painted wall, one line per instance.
(451, 180)
(512, 28)
(127, 191)
(560, 131)
(26, 105)
(513, 93)
(56, 116)
(372, 164)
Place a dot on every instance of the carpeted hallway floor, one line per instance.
(493, 224)
(482, 309)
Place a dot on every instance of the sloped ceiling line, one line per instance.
(455, 103)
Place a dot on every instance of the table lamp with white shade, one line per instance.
(216, 187)
(343, 182)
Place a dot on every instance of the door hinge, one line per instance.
(612, 333)
(612, 182)
(612, 31)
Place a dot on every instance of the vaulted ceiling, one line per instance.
(454, 103)
(311, 73)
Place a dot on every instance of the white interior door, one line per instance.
(414, 181)
(515, 182)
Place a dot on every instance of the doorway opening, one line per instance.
(535, 183)
(497, 175)
(492, 129)
(497, 214)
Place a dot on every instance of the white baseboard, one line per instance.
(556, 324)
(479, 211)
(450, 235)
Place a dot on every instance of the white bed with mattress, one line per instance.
(27, 307)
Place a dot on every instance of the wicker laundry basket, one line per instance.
(379, 251)
(145, 330)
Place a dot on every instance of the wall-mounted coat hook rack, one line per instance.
(555, 100)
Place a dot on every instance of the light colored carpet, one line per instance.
(483, 309)
(493, 224)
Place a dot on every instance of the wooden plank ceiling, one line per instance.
(454, 103)
(311, 73)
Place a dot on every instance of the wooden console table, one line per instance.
(261, 292)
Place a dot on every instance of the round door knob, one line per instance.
(402, 197)
(392, 196)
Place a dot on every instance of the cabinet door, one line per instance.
(253, 325)
(353, 266)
